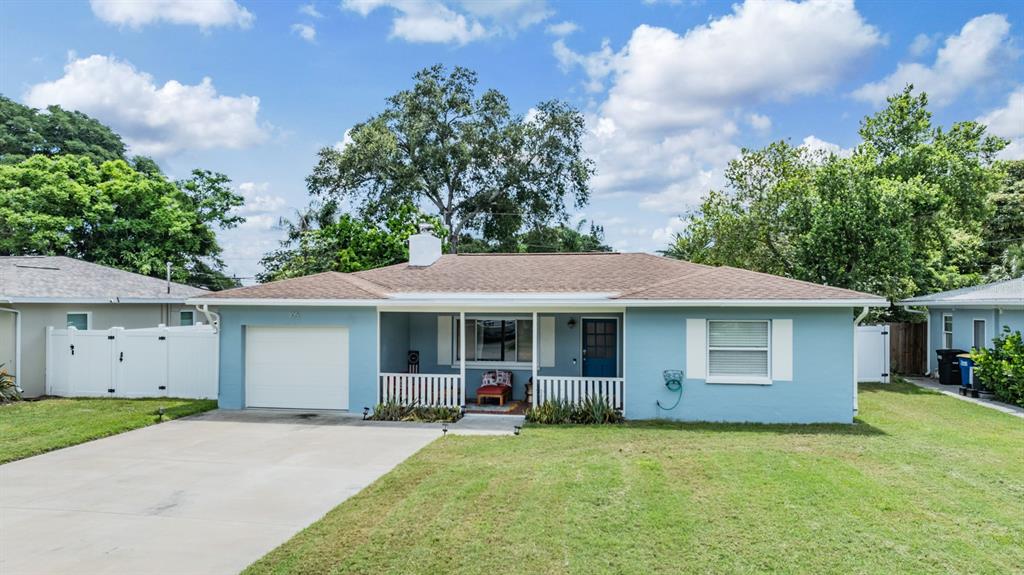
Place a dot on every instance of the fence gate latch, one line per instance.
(110, 390)
(162, 387)
(162, 337)
(110, 337)
(121, 358)
(72, 349)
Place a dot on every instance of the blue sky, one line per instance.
(671, 90)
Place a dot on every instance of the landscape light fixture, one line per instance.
(366, 411)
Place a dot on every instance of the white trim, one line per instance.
(88, 317)
(378, 384)
(856, 398)
(521, 302)
(950, 332)
(782, 350)
(535, 359)
(738, 379)
(101, 300)
(984, 323)
(980, 303)
(462, 355)
(696, 348)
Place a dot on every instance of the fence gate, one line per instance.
(909, 348)
(873, 353)
(150, 362)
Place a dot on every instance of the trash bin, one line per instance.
(966, 380)
(949, 366)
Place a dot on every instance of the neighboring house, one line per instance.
(753, 347)
(972, 316)
(37, 292)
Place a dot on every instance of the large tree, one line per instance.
(322, 238)
(1004, 232)
(901, 217)
(25, 132)
(114, 215)
(482, 168)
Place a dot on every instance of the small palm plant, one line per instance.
(8, 390)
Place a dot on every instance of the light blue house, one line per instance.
(753, 347)
(970, 317)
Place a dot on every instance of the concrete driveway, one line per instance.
(208, 494)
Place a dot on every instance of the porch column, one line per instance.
(536, 384)
(462, 354)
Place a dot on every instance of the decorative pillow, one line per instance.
(497, 378)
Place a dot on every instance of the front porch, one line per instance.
(439, 358)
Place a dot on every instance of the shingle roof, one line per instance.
(633, 276)
(1010, 292)
(67, 279)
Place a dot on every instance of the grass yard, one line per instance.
(922, 484)
(32, 427)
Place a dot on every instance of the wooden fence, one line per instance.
(908, 345)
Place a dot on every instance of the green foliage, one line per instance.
(1004, 231)
(394, 411)
(482, 167)
(8, 390)
(903, 216)
(593, 410)
(1001, 368)
(113, 215)
(25, 132)
(320, 239)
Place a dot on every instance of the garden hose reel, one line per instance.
(673, 382)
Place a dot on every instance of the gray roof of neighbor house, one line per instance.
(609, 277)
(1007, 292)
(27, 279)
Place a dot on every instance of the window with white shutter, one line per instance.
(739, 351)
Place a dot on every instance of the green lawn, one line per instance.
(922, 484)
(32, 427)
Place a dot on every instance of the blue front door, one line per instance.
(600, 348)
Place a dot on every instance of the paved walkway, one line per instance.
(202, 495)
(954, 391)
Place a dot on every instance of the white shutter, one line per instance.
(696, 348)
(444, 340)
(547, 341)
(782, 350)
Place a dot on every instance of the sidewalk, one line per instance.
(954, 391)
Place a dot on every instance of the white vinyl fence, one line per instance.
(422, 389)
(576, 389)
(873, 353)
(150, 362)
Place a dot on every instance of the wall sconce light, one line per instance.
(572, 322)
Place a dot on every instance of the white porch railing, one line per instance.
(576, 389)
(421, 389)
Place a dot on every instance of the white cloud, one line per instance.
(346, 139)
(436, 21)
(922, 44)
(968, 59)
(205, 14)
(259, 222)
(154, 120)
(664, 235)
(258, 199)
(666, 129)
(1008, 122)
(562, 28)
(759, 122)
(310, 10)
(305, 31)
(816, 145)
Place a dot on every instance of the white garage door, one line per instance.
(296, 367)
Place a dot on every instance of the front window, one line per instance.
(738, 351)
(496, 340)
(78, 320)
(186, 318)
(947, 331)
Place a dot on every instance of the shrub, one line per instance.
(394, 411)
(1001, 369)
(593, 410)
(8, 391)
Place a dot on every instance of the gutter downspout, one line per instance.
(17, 344)
(212, 318)
(856, 322)
(927, 335)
